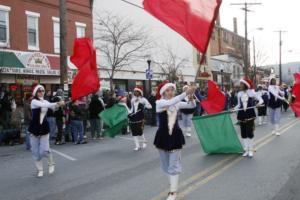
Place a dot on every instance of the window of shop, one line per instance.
(4, 26)
(56, 34)
(80, 29)
(33, 30)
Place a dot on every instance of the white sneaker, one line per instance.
(40, 174)
(172, 196)
(188, 135)
(245, 154)
(51, 169)
(251, 154)
(136, 149)
(144, 145)
(277, 133)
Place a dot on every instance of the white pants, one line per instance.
(40, 147)
(171, 162)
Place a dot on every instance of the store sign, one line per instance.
(32, 71)
(38, 60)
(26, 79)
(35, 63)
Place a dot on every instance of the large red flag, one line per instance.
(296, 92)
(193, 19)
(84, 58)
(215, 101)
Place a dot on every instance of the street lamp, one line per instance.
(222, 80)
(149, 79)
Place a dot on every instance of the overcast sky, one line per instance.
(272, 15)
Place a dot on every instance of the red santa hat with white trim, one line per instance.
(247, 82)
(163, 87)
(139, 89)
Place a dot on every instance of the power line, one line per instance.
(133, 4)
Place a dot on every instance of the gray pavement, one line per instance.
(110, 170)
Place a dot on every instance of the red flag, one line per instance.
(296, 92)
(84, 58)
(215, 101)
(193, 19)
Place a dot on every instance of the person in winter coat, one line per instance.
(59, 116)
(39, 129)
(95, 108)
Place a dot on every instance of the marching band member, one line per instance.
(246, 114)
(169, 138)
(187, 115)
(275, 103)
(262, 110)
(39, 129)
(136, 117)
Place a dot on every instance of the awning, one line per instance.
(10, 60)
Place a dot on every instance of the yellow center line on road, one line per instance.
(219, 166)
(198, 184)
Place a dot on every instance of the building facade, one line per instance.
(30, 41)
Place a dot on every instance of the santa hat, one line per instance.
(163, 87)
(36, 88)
(139, 89)
(247, 82)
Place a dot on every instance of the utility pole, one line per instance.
(254, 62)
(63, 45)
(280, 54)
(245, 8)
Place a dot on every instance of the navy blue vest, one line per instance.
(163, 140)
(35, 127)
(273, 103)
(249, 113)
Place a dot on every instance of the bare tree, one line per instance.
(119, 43)
(170, 64)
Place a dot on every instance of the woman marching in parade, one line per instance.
(169, 138)
(246, 114)
(275, 102)
(136, 117)
(262, 110)
(39, 129)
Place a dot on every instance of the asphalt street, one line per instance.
(111, 170)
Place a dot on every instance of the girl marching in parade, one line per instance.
(39, 129)
(246, 114)
(262, 110)
(187, 115)
(275, 102)
(136, 117)
(169, 138)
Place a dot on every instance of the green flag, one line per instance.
(217, 134)
(115, 118)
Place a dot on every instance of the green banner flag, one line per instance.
(115, 118)
(217, 134)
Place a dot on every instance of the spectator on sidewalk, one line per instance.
(95, 108)
(51, 117)
(59, 117)
(76, 118)
(27, 118)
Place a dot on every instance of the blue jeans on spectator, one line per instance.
(27, 138)
(95, 128)
(77, 130)
(52, 126)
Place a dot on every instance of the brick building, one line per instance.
(29, 40)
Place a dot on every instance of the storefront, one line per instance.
(20, 71)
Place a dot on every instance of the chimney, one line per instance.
(235, 29)
(218, 21)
